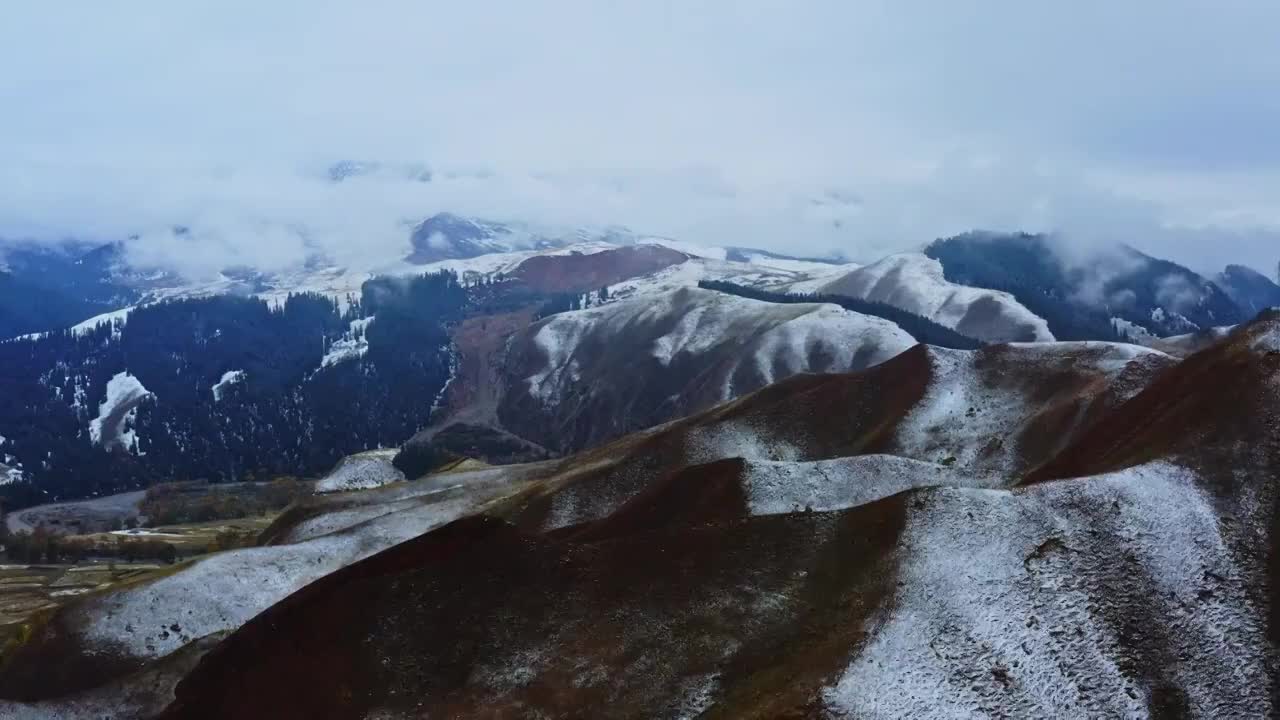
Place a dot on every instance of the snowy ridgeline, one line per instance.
(117, 411)
(916, 283)
(782, 339)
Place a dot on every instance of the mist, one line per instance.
(858, 128)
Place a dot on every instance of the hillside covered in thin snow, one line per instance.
(578, 378)
(915, 282)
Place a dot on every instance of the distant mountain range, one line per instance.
(552, 342)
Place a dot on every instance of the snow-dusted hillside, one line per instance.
(580, 377)
(362, 471)
(914, 282)
(800, 570)
(761, 273)
(1043, 603)
(981, 406)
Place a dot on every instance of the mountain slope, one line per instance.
(1080, 299)
(44, 289)
(782, 575)
(1196, 411)
(576, 379)
(1250, 289)
(985, 416)
(446, 236)
(1135, 592)
(915, 283)
(1115, 595)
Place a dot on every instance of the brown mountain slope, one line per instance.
(575, 272)
(1203, 408)
(986, 414)
(1123, 595)
(478, 620)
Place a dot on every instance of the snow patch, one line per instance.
(117, 319)
(350, 346)
(784, 487)
(10, 474)
(143, 532)
(1010, 603)
(1131, 331)
(1268, 341)
(229, 378)
(737, 438)
(122, 390)
(974, 423)
(361, 471)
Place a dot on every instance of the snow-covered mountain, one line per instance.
(916, 283)
(578, 378)
(1052, 529)
(1250, 289)
(1116, 292)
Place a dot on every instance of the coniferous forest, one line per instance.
(295, 408)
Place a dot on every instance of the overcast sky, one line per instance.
(853, 125)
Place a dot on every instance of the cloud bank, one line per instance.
(860, 127)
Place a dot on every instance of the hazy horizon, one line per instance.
(853, 127)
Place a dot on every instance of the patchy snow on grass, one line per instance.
(977, 420)
(1268, 340)
(785, 487)
(223, 591)
(1108, 357)
(361, 471)
(449, 488)
(737, 438)
(333, 522)
(144, 532)
(960, 420)
(229, 378)
(1015, 603)
(122, 389)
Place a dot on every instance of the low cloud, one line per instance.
(857, 127)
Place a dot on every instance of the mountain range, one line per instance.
(601, 474)
(1041, 529)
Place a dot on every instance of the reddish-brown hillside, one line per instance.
(576, 272)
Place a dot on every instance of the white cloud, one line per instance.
(858, 126)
